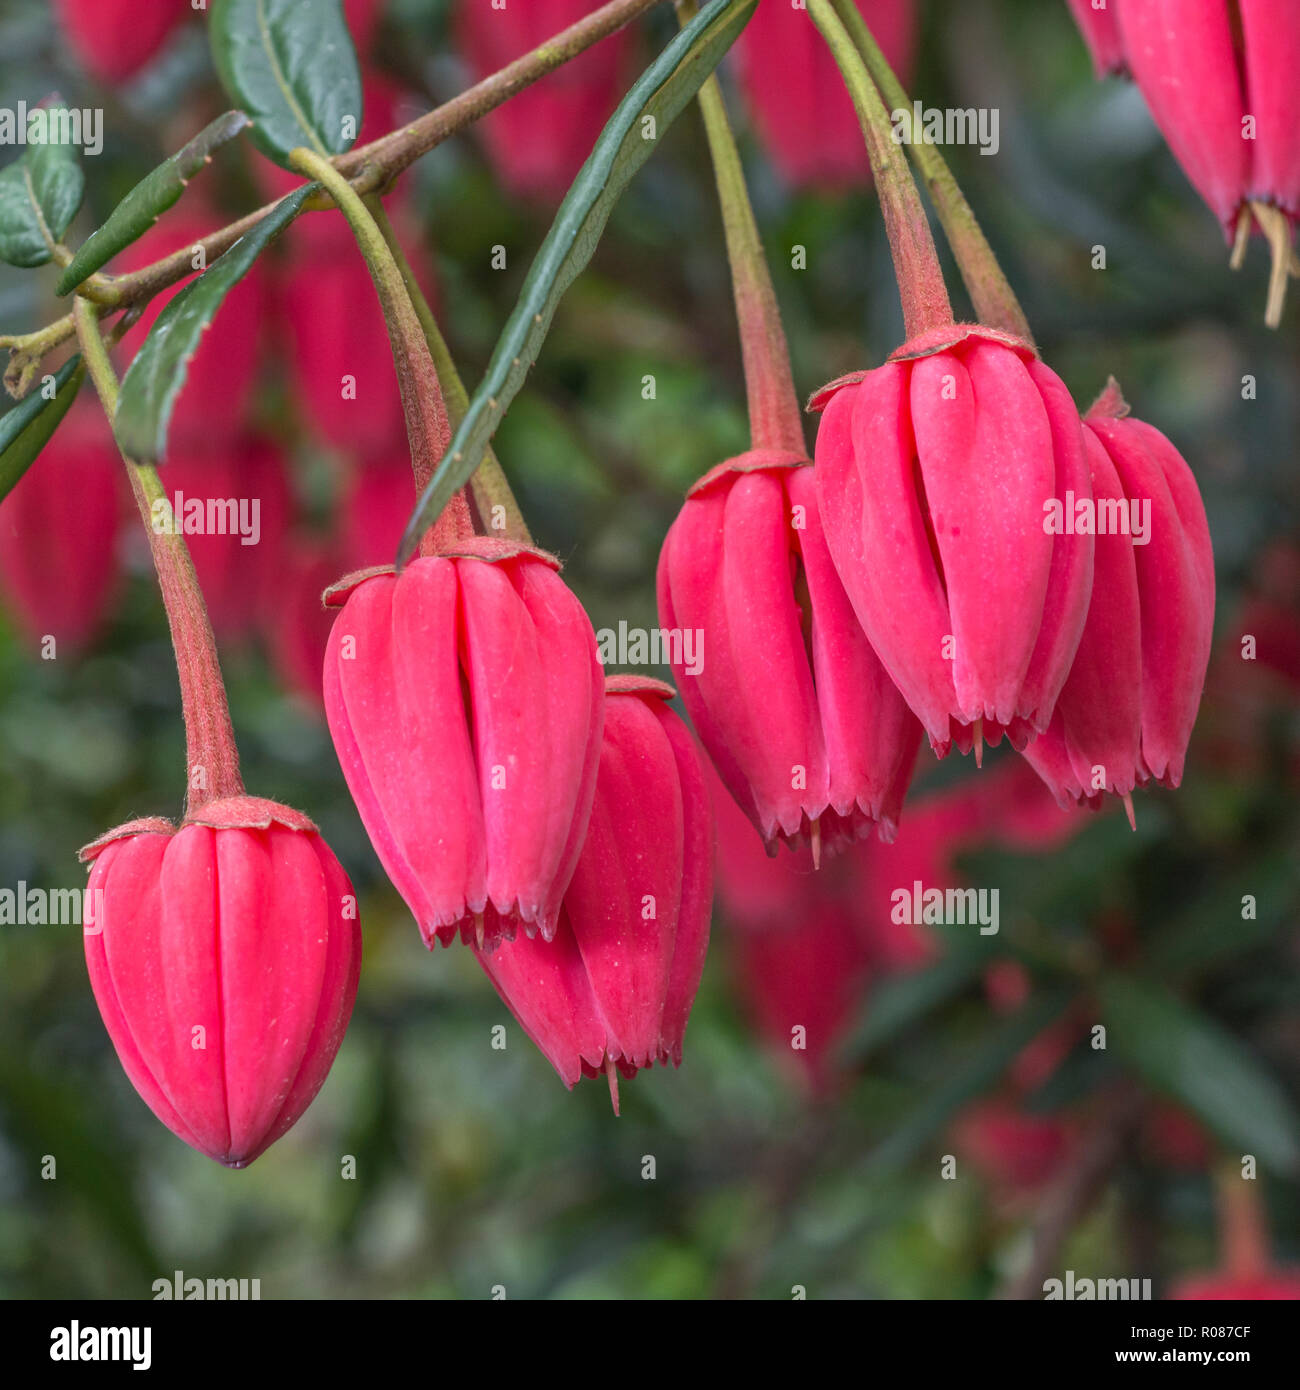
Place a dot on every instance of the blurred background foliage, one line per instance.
(474, 1167)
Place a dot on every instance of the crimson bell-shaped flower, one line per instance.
(224, 958)
(114, 39)
(798, 99)
(1125, 714)
(542, 136)
(614, 989)
(800, 719)
(59, 531)
(464, 700)
(1219, 78)
(934, 475)
(1100, 29)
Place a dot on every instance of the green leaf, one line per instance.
(628, 140)
(1213, 930)
(148, 200)
(898, 1003)
(26, 428)
(975, 1073)
(40, 192)
(291, 65)
(158, 370)
(1196, 1061)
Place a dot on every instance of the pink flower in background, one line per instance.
(796, 94)
(59, 530)
(114, 39)
(240, 496)
(539, 139)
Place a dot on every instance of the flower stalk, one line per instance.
(916, 263)
(428, 428)
(210, 751)
(489, 486)
(775, 420)
(995, 301)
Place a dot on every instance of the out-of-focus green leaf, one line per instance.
(1193, 1059)
(26, 428)
(158, 370)
(291, 65)
(899, 1002)
(40, 192)
(1213, 930)
(977, 1072)
(628, 140)
(148, 200)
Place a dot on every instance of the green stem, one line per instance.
(428, 429)
(210, 752)
(995, 301)
(775, 420)
(916, 263)
(489, 485)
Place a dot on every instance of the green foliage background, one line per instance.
(474, 1167)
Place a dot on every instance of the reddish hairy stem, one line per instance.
(916, 263)
(775, 419)
(210, 753)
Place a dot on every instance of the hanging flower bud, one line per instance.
(1219, 80)
(224, 958)
(794, 90)
(1100, 30)
(1126, 712)
(464, 700)
(234, 511)
(937, 477)
(114, 39)
(805, 727)
(615, 987)
(542, 136)
(58, 536)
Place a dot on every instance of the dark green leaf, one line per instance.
(898, 1003)
(976, 1072)
(1193, 1059)
(40, 192)
(26, 428)
(148, 200)
(158, 370)
(659, 96)
(1213, 930)
(291, 65)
